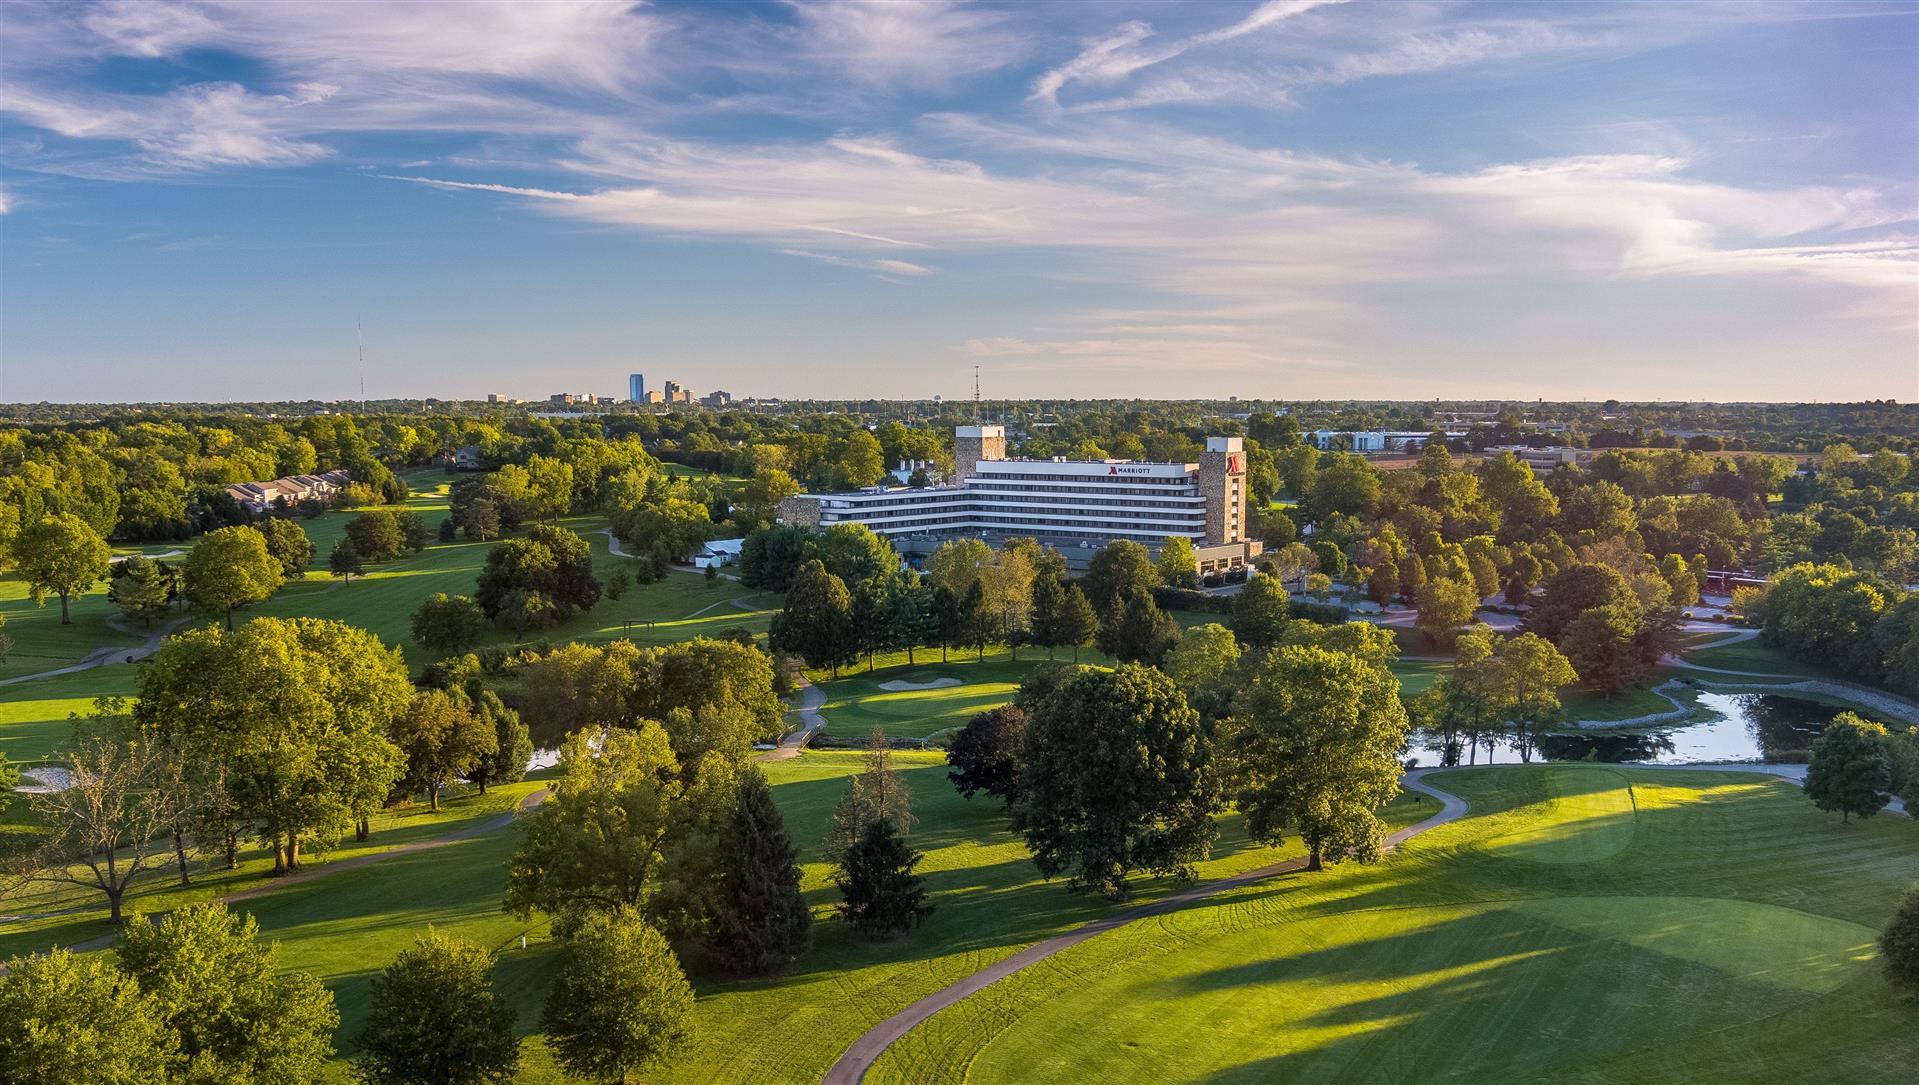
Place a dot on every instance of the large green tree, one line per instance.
(984, 756)
(551, 562)
(853, 552)
(1138, 631)
(433, 1018)
(762, 924)
(78, 1020)
(621, 813)
(1445, 604)
(1204, 663)
(289, 545)
(1116, 776)
(817, 621)
(772, 555)
(228, 569)
(1899, 944)
(442, 738)
(512, 745)
(141, 588)
(291, 715)
(448, 625)
(239, 1016)
(1315, 748)
(1851, 769)
(1177, 565)
(60, 555)
(1120, 569)
(1259, 611)
(880, 895)
(619, 1002)
(674, 528)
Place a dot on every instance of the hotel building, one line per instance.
(1065, 503)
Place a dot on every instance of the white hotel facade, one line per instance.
(1060, 501)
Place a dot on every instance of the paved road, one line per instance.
(859, 1058)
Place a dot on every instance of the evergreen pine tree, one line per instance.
(1077, 622)
(878, 793)
(946, 618)
(883, 897)
(913, 622)
(978, 625)
(763, 924)
(1049, 602)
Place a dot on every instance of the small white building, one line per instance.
(718, 552)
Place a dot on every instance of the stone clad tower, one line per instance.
(971, 444)
(1222, 482)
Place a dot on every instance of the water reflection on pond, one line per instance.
(1741, 727)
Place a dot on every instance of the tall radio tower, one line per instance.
(977, 417)
(360, 334)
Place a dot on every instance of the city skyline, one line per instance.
(1282, 200)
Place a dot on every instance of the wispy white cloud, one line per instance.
(927, 44)
(1130, 48)
(884, 266)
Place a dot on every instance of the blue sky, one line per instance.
(1288, 199)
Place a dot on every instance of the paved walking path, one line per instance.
(808, 710)
(866, 1050)
(113, 653)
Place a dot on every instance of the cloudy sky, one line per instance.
(1295, 198)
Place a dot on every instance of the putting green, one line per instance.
(1454, 991)
(1589, 816)
(857, 702)
(923, 703)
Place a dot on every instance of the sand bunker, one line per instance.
(897, 686)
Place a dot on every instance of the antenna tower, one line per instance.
(976, 414)
(360, 334)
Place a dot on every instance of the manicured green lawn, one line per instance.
(855, 701)
(1415, 675)
(1586, 924)
(34, 716)
(1631, 703)
(41, 643)
(990, 903)
(159, 891)
(856, 705)
(1751, 655)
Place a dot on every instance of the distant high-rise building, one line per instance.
(636, 388)
(677, 393)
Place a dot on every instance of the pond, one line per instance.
(1741, 727)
